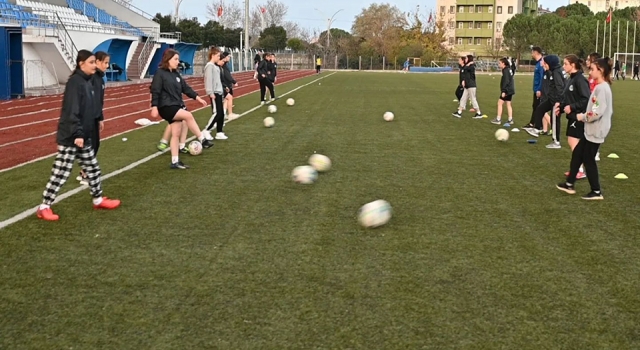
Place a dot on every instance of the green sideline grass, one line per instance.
(482, 252)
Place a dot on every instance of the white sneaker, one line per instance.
(207, 135)
(233, 116)
(221, 136)
(598, 157)
(82, 180)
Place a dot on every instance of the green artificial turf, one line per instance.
(482, 251)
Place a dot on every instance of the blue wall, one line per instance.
(11, 63)
(187, 52)
(157, 57)
(118, 50)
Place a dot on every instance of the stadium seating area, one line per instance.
(40, 14)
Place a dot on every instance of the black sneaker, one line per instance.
(593, 196)
(457, 114)
(477, 116)
(528, 126)
(179, 165)
(565, 187)
(207, 143)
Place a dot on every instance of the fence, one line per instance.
(39, 74)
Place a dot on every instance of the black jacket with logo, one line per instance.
(272, 68)
(469, 75)
(553, 85)
(506, 82)
(77, 117)
(576, 95)
(98, 90)
(226, 77)
(167, 88)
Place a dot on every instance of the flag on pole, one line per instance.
(430, 17)
(220, 11)
(263, 10)
(609, 16)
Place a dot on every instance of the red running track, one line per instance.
(28, 126)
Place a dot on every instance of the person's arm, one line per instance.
(262, 68)
(582, 88)
(208, 79)
(504, 82)
(156, 89)
(599, 106)
(187, 90)
(71, 109)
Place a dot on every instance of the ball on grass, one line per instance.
(502, 135)
(268, 122)
(388, 116)
(290, 102)
(374, 214)
(195, 148)
(320, 162)
(272, 109)
(304, 174)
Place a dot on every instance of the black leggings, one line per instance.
(264, 84)
(534, 106)
(585, 153)
(547, 107)
(219, 118)
(95, 138)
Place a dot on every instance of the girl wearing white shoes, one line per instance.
(214, 88)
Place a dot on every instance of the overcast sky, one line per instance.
(303, 11)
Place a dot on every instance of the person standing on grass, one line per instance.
(597, 124)
(460, 88)
(74, 138)
(575, 98)
(470, 87)
(256, 62)
(551, 92)
(507, 90)
(636, 70)
(616, 69)
(538, 75)
(98, 83)
(318, 65)
(264, 80)
(594, 56)
(167, 88)
(229, 83)
(214, 88)
(272, 66)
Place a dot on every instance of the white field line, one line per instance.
(25, 214)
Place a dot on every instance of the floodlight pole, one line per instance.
(247, 46)
(329, 23)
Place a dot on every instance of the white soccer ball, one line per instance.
(195, 148)
(268, 122)
(374, 214)
(320, 162)
(388, 116)
(304, 174)
(290, 102)
(502, 135)
(272, 109)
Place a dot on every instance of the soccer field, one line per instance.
(482, 252)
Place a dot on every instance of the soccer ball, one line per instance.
(388, 116)
(195, 148)
(320, 163)
(268, 122)
(304, 174)
(272, 109)
(502, 135)
(374, 214)
(290, 102)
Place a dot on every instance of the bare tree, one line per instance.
(232, 13)
(292, 28)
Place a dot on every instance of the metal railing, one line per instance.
(51, 17)
(66, 41)
(135, 9)
(171, 35)
(145, 54)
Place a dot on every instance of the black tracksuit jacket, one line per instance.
(576, 95)
(78, 114)
(506, 82)
(167, 88)
(469, 75)
(226, 77)
(555, 85)
(98, 90)
(272, 68)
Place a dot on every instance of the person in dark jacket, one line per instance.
(98, 83)
(74, 138)
(636, 70)
(256, 62)
(551, 91)
(273, 69)
(538, 75)
(507, 90)
(469, 84)
(575, 98)
(167, 88)
(460, 89)
(263, 79)
(229, 83)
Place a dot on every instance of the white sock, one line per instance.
(164, 141)
(44, 206)
(97, 201)
(174, 159)
(201, 137)
(181, 145)
(581, 170)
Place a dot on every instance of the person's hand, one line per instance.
(154, 112)
(235, 85)
(580, 117)
(202, 102)
(538, 94)
(264, 76)
(79, 142)
(567, 109)
(503, 94)
(101, 125)
(463, 83)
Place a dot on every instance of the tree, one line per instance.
(232, 13)
(517, 34)
(273, 38)
(296, 44)
(381, 26)
(335, 39)
(576, 9)
(167, 25)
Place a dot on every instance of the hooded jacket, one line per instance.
(576, 95)
(469, 75)
(97, 80)
(554, 81)
(227, 78)
(272, 68)
(167, 88)
(77, 117)
(263, 69)
(506, 82)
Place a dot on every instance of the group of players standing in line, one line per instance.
(587, 105)
(81, 116)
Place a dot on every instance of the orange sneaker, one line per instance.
(107, 204)
(47, 214)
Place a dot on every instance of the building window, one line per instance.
(452, 40)
(452, 25)
(470, 9)
(478, 25)
(490, 25)
(459, 41)
(510, 10)
(452, 9)
(479, 9)
(499, 10)
(490, 9)
(460, 9)
(498, 42)
(442, 9)
(489, 41)
(461, 25)
(470, 41)
(478, 40)
(470, 25)
(498, 26)
(589, 3)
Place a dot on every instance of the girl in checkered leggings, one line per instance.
(75, 129)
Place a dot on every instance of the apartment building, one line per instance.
(475, 26)
(603, 5)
